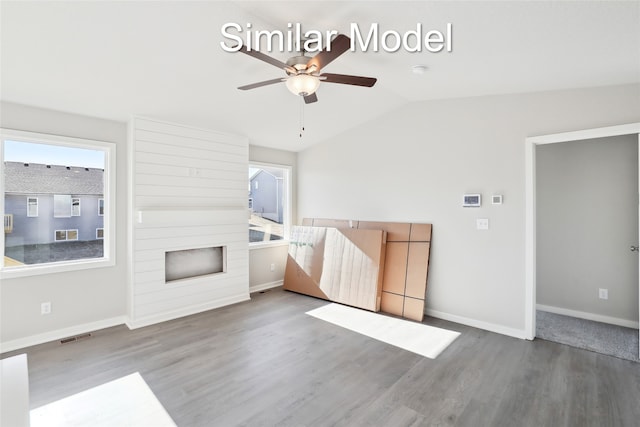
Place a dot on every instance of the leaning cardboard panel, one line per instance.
(406, 264)
(341, 265)
(407, 261)
(304, 261)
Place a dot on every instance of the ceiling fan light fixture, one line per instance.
(303, 84)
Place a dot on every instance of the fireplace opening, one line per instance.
(190, 263)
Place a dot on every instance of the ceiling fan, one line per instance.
(304, 72)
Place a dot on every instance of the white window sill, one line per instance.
(54, 267)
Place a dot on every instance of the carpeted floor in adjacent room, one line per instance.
(599, 337)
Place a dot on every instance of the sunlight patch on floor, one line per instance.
(427, 341)
(127, 401)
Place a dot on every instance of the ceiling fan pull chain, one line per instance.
(301, 116)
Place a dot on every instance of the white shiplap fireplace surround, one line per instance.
(188, 191)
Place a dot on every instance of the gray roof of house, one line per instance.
(276, 172)
(35, 178)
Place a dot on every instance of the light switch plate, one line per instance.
(603, 293)
(482, 223)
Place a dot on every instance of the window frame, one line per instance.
(55, 236)
(287, 204)
(72, 230)
(109, 242)
(101, 208)
(29, 198)
(98, 237)
(79, 206)
(66, 235)
(58, 214)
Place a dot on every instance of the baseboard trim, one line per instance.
(60, 333)
(185, 311)
(588, 316)
(265, 286)
(491, 327)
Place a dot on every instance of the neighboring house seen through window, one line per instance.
(65, 182)
(269, 203)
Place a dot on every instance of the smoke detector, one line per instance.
(419, 69)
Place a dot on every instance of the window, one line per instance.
(8, 223)
(54, 174)
(65, 235)
(269, 203)
(32, 206)
(65, 206)
(61, 206)
(75, 206)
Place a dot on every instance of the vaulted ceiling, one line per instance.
(164, 60)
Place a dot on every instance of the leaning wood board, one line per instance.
(341, 265)
(406, 267)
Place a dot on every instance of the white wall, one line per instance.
(261, 258)
(81, 300)
(415, 164)
(586, 219)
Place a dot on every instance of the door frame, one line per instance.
(530, 205)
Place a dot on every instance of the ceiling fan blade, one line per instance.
(349, 80)
(339, 45)
(266, 58)
(311, 98)
(260, 84)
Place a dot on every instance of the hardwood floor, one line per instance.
(265, 363)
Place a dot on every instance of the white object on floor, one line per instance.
(14, 391)
(127, 401)
(427, 341)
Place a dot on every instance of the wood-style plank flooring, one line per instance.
(265, 363)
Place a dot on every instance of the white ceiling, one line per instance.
(163, 59)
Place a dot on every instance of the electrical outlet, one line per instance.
(273, 267)
(45, 308)
(603, 293)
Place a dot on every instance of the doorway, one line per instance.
(531, 220)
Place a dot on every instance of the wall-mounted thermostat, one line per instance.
(496, 199)
(471, 200)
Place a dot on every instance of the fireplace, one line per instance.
(190, 263)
